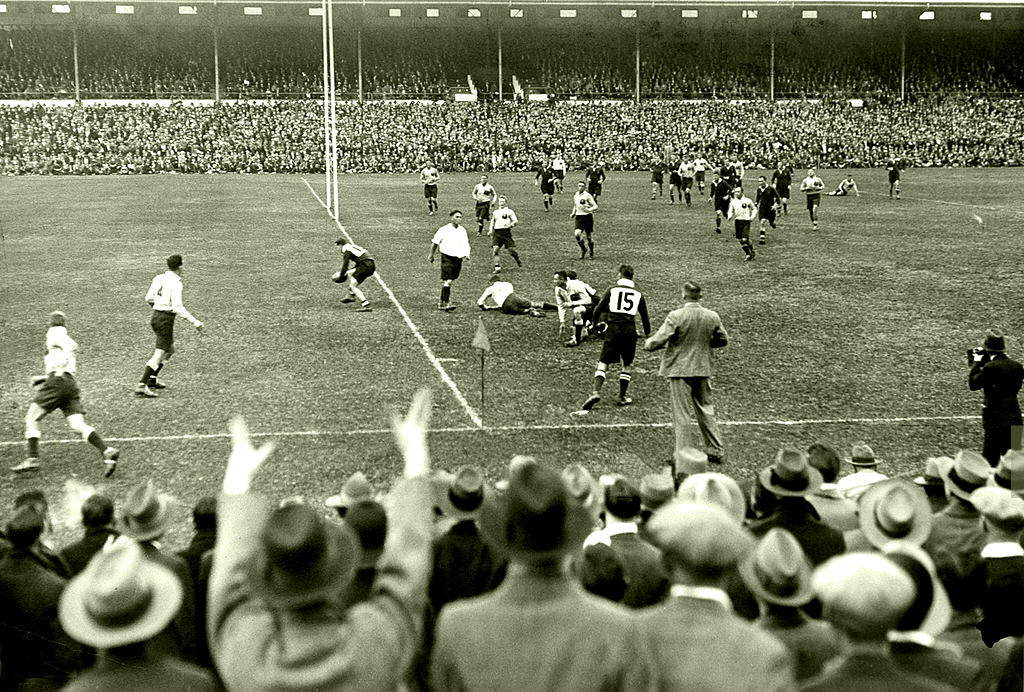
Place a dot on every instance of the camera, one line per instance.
(978, 355)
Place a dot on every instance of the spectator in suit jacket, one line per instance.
(117, 605)
(892, 510)
(958, 526)
(646, 581)
(791, 480)
(865, 472)
(539, 630)
(1000, 378)
(204, 521)
(145, 517)
(600, 571)
(41, 550)
(932, 480)
(694, 637)
(97, 518)
(279, 580)
(1002, 515)
(779, 575)
(913, 642)
(835, 510)
(864, 595)
(369, 521)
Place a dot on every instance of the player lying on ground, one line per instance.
(846, 186)
(501, 295)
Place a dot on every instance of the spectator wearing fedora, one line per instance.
(369, 521)
(1000, 378)
(279, 580)
(464, 564)
(958, 527)
(912, 643)
(864, 595)
(198, 556)
(835, 510)
(1002, 515)
(585, 491)
(97, 519)
(792, 480)
(892, 510)
(118, 604)
(539, 630)
(646, 581)
(35, 653)
(1010, 472)
(865, 472)
(656, 490)
(145, 517)
(933, 481)
(355, 489)
(694, 637)
(687, 336)
(778, 574)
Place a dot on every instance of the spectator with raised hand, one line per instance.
(280, 577)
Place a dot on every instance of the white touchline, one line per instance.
(997, 210)
(517, 429)
(445, 377)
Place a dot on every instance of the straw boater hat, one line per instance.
(791, 475)
(714, 489)
(1010, 472)
(935, 470)
(146, 513)
(690, 460)
(302, 559)
(863, 456)
(1001, 508)
(465, 495)
(969, 472)
(894, 510)
(777, 571)
(655, 490)
(356, 489)
(121, 598)
(864, 594)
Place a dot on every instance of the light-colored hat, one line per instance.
(698, 536)
(919, 567)
(969, 472)
(690, 461)
(715, 489)
(465, 495)
(863, 455)
(1010, 472)
(655, 490)
(356, 489)
(777, 571)
(935, 469)
(894, 510)
(791, 475)
(863, 593)
(582, 487)
(1000, 508)
(121, 598)
(145, 513)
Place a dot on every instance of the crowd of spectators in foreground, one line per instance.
(378, 137)
(817, 574)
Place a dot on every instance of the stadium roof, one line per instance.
(782, 4)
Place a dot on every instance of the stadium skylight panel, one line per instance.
(60, 9)
(985, 16)
(809, 14)
(433, 12)
(186, 9)
(927, 16)
(251, 11)
(688, 14)
(124, 9)
(567, 14)
(868, 14)
(628, 14)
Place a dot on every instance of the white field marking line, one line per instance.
(445, 377)
(995, 210)
(514, 428)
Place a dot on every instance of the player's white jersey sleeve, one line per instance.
(60, 351)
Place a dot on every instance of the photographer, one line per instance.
(1000, 377)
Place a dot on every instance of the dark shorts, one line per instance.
(502, 237)
(813, 200)
(584, 222)
(60, 391)
(698, 176)
(658, 178)
(364, 270)
(783, 190)
(722, 207)
(894, 176)
(619, 345)
(514, 305)
(430, 191)
(767, 214)
(451, 267)
(483, 211)
(687, 183)
(560, 174)
(594, 189)
(547, 188)
(163, 326)
(742, 229)
(675, 179)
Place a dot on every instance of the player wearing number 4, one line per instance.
(617, 310)
(363, 267)
(165, 296)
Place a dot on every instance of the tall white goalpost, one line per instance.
(330, 112)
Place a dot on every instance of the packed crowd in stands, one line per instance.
(818, 573)
(159, 61)
(282, 136)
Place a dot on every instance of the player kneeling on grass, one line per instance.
(502, 297)
(846, 186)
(574, 297)
(58, 389)
(616, 315)
(363, 268)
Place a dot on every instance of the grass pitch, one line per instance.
(833, 334)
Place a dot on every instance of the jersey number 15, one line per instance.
(624, 301)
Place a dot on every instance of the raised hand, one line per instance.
(244, 460)
(411, 434)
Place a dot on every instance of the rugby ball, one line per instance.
(337, 278)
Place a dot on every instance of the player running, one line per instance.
(700, 165)
(782, 180)
(675, 182)
(503, 220)
(721, 192)
(429, 177)
(363, 268)
(657, 178)
(59, 389)
(743, 212)
(595, 179)
(767, 200)
(483, 195)
(546, 179)
(686, 174)
(583, 207)
(617, 310)
(894, 167)
(812, 186)
(559, 167)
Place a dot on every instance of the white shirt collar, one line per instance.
(913, 637)
(704, 593)
(626, 282)
(1005, 549)
(615, 528)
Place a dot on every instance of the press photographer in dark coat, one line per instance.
(1000, 377)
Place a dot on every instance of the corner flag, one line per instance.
(480, 340)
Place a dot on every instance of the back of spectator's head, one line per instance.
(935, 470)
(777, 571)
(962, 575)
(894, 510)
(356, 488)
(717, 490)
(25, 527)
(121, 598)
(863, 457)
(692, 291)
(622, 499)
(1010, 472)
(1001, 510)
(689, 461)
(303, 559)
(32, 498)
(583, 488)
(656, 489)
(929, 611)
(57, 318)
(864, 595)
(600, 572)
(699, 542)
(204, 514)
(824, 458)
(97, 511)
(370, 523)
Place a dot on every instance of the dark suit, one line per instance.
(811, 643)
(646, 580)
(163, 673)
(202, 541)
(1003, 602)
(1001, 380)
(464, 566)
(178, 638)
(962, 635)
(942, 665)
(958, 529)
(78, 554)
(699, 644)
(871, 673)
(538, 632)
(796, 515)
